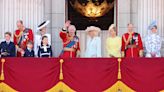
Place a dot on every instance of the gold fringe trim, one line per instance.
(2, 70)
(20, 34)
(61, 69)
(119, 68)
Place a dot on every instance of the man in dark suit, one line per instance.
(7, 47)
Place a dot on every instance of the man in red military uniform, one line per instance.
(21, 36)
(71, 47)
(131, 43)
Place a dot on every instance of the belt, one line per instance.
(132, 46)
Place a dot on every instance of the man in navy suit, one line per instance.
(7, 47)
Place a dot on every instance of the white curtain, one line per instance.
(30, 11)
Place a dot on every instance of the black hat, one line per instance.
(42, 25)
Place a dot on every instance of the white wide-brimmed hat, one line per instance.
(93, 28)
(44, 24)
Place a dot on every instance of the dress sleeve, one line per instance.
(159, 43)
(31, 36)
(123, 44)
(51, 51)
(39, 52)
(15, 38)
(98, 47)
(147, 45)
(63, 35)
(140, 42)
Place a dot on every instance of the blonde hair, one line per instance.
(112, 26)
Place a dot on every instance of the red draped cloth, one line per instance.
(143, 75)
(84, 75)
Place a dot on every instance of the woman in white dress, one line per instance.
(93, 47)
(38, 37)
(153, 43)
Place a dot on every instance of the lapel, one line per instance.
(7, 44)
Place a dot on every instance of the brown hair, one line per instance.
(155, 26)
(129, 24)
(30, 42)
(20, 21)
(44, 37)
(8, 33)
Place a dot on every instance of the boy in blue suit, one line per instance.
(29, 52)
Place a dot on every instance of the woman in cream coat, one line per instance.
(93, 47)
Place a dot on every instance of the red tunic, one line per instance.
(27, 35)
(66, 41)
(133, 47)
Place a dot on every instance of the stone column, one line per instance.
(57, 20)
(123, 15)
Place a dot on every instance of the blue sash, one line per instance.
(70, 44)
(23, 36)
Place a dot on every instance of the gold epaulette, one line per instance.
(20, 34)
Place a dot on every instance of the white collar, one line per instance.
(8, 41)
(29, 49)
